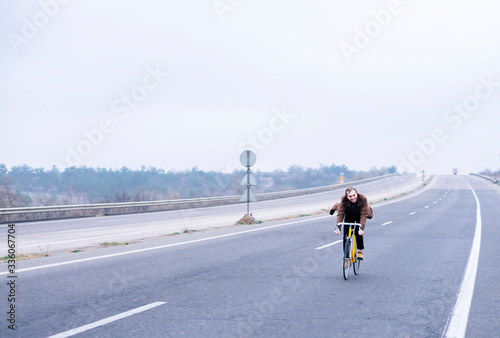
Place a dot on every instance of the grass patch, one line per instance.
(187, 231)
(248, 219)
(254, 222)
(23, 257)
(108, 244)
(184, 231)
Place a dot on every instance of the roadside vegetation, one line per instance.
(493, 174)
(24, 186)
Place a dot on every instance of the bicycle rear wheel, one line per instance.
(347, 256)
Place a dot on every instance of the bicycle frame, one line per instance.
(353, 241)
(351, 237)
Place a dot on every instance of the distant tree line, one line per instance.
(23, 185)
(490, 173)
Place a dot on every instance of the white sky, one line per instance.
(269, 71)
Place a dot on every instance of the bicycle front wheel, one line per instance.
(356, 264)
(346, 261)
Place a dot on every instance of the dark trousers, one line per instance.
(359, 239)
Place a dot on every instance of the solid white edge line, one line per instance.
(457, 322)
(329, 244)
(106, 320)
(161, 246)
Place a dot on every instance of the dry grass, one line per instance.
(108, 244)
(22, 257)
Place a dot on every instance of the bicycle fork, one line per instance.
(352, 247)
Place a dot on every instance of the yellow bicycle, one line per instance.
(350, 250)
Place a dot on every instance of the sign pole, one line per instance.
(248, 191)
(247, 159)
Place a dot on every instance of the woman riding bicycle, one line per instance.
(353, 207)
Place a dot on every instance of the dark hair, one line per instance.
(345, 201)
(349, 189)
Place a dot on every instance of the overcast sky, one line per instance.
(176, 84)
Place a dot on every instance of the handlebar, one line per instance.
(352, 225)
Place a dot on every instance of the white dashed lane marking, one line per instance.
(107, 320)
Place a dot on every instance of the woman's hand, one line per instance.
(337, 231)
(361, 232)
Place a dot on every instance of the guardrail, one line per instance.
(492, 179)
(103, 209)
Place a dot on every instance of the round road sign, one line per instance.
(248, 158)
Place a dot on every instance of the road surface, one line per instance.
(282, 278)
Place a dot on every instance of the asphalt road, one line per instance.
(280, 279)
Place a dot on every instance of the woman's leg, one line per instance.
(359, 240)
(346, 233)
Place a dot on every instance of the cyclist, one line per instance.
(353, 207)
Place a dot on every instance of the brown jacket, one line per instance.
(365, 209)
